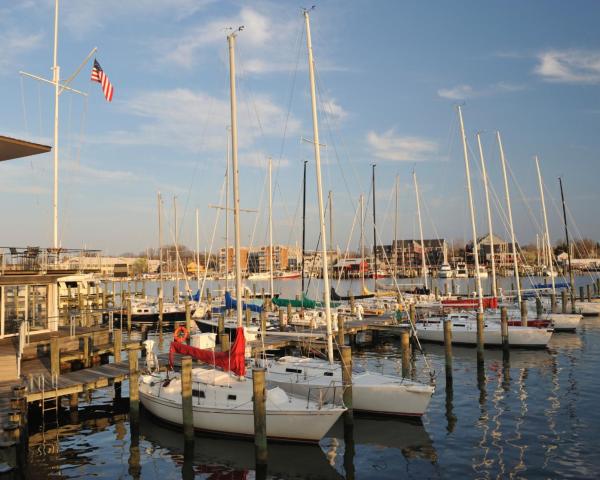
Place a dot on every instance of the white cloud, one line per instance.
(15, 43)
(569, 66)
(334, 110)
(391, 146)
(464, 91)
(195, 121)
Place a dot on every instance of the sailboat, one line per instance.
(373, 392)
(222, 399)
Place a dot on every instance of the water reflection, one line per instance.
(232, 458)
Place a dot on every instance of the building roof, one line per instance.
(11, 148)
(485, 240)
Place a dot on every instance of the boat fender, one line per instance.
(181, 334)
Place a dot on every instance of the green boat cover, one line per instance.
(304, 302)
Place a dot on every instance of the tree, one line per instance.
(140, 266)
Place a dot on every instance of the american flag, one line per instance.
(99, 76)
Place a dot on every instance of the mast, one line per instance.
(234, 166)
(472, 209)
(571, 279)
(510, 220)
(330, 219)
(423, 261)
(271, 228)
(160, 250)
(176, 251)
(55, 80)
(489, 213)
(198, 250)
(313, 97)
(303, 222)
(374, 231)
(396, 231)
(227, 214)
(362, 241)
(546, 232)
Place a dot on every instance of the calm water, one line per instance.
(536, 417)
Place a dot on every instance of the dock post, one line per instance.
(186, 399)
(289, 312)
(563, 299)
(589, 292)
(412, 315)
(448, 351)
(254, 290)
(453, 287)
(129, 313)
(341, 330)
(175, 293)
(598, 286)
(352, 305)
(436, 292)
(282, 320)
(524, 313)
(405, 342)
(208, 296)
(143, 287)
(117, 344)
(74, 407)
(55, 354)
(553, 302)
(445, 289)
(539, 310)
(220, 325)
(581, 295)
(263, 323)
(87, 351)
(122, 293)
(346, 354)
(248, 314)
(104, 299)
(260, 416)
(224, 342)
(504, 330)
(188, 318)
(134, 388)
(480, 338)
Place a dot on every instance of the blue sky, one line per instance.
(389, 77)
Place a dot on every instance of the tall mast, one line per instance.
(396, 231)
(234, 167)
(489, 213)
(55, 80)
(423, 261)
(472, 209)
(303, 222)
(510, 220)
(198, 249)
(571, 279)
(313, 97)
(176, 251)
(546, 231)
(271, 228)
(362, 241)
(160, 250)
(374, 231)
(227, 214)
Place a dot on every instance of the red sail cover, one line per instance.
(233, 360)
(488, 302)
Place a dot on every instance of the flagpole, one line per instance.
(55, 79)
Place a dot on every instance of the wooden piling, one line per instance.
(436, 292)
(282, 321)
(55, 354)
(248, 314)
(174, 293)
(117, 336)
(289, 312)
(129, 315)
(224, 342)
(480, 338)
(448, 350)
(563, 299)
(263, 323)
(524, 313)
(186, 398)
(341, 329)
(539, 310)
(144, 288)
(87, 351)
(453, 287)
(504, 328)
(134, 392)
(581, 295)
(553, 302)
(352, 303)
(589, 293)
(346, 354)
(220, 325)
(405, 342)
(260, 415)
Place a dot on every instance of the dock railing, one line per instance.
(45, 260)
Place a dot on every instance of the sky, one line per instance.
(389, 77)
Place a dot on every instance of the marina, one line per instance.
(250, 252)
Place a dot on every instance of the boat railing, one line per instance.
(330, 395)
(15, 260)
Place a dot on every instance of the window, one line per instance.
(198, 393)
(231, 397)
(328, 374)
(293, 370)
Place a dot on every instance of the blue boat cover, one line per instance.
(231, 304)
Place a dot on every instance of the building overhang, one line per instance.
(11, 148)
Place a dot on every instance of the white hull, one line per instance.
(564, 322)
(588, 308)
(288, 418)
(465, 333)
(371, 392)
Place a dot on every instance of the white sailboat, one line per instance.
(373, 392)
(222, 400)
